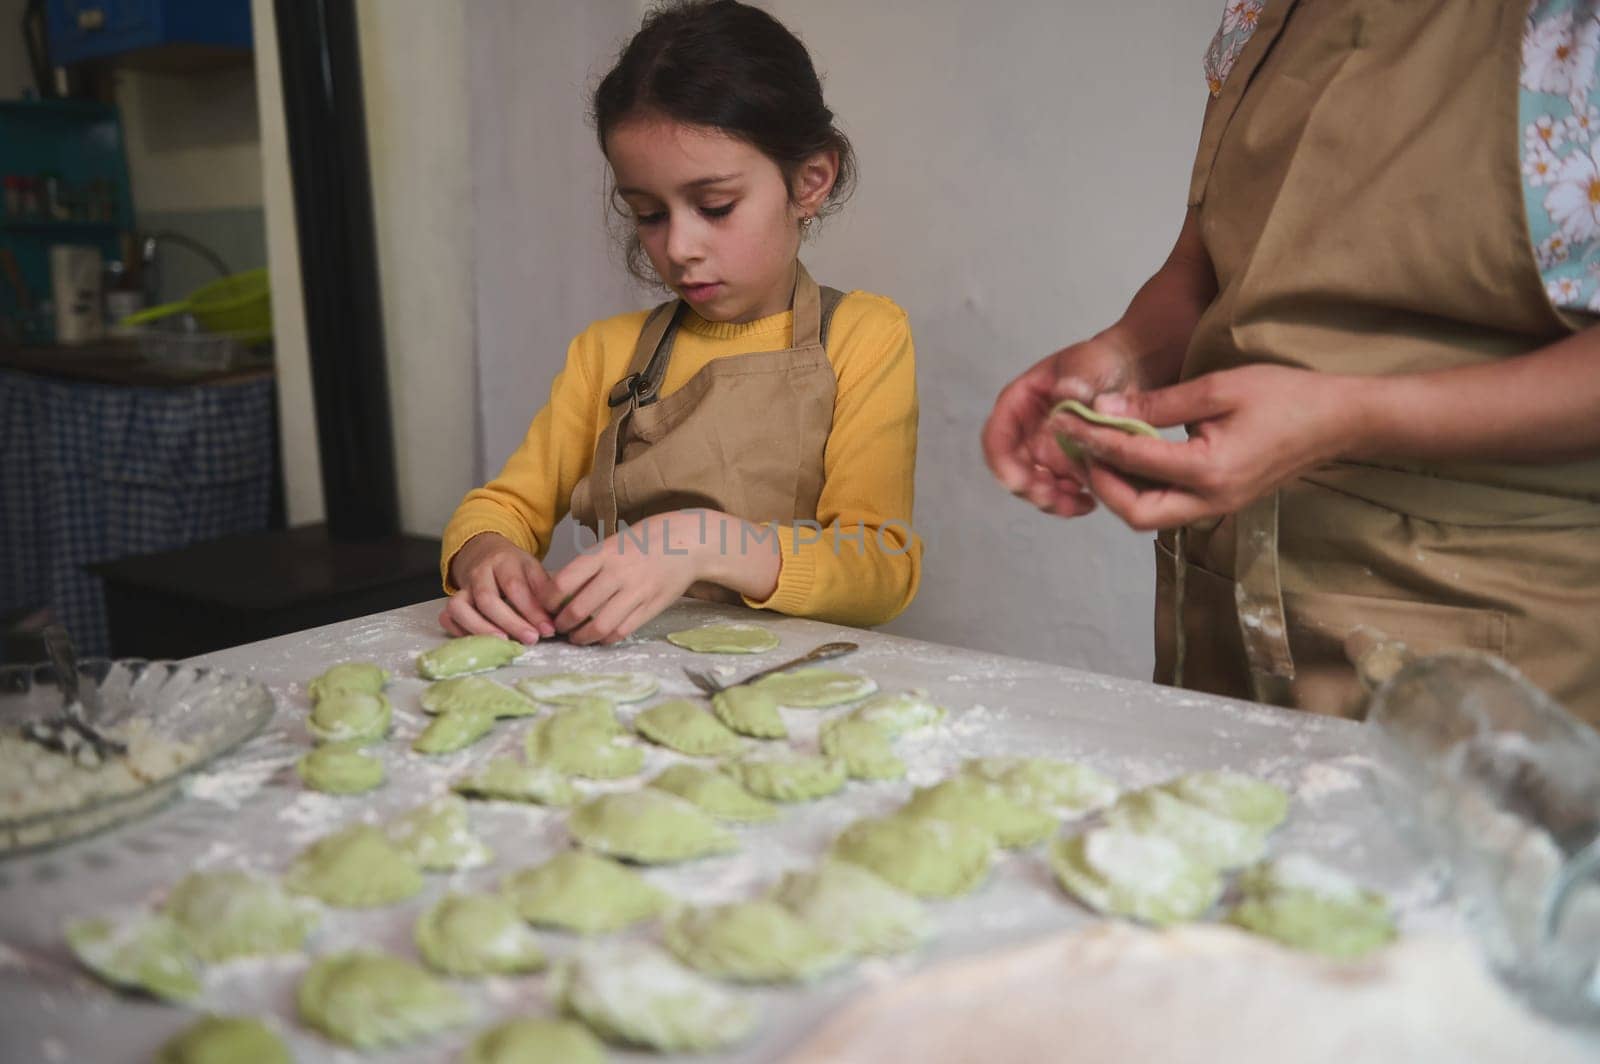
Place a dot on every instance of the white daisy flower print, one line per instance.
(1574, 197)
(1552, 252)
(1558, 54)
(1545, 132)
(1539, 165)
(1241, 15)
(1564, 292)
(1579, 127)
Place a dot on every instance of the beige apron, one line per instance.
(1359, 193)
(745, 435)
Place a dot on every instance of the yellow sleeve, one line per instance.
(533, 491)
(864, 566)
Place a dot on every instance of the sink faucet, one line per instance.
(147, 259)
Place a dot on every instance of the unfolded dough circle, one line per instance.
(725, 639)
(574, 688)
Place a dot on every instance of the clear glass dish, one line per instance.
(210, 710)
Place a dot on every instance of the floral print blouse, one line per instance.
(1559, 112)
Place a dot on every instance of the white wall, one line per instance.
(193, 139)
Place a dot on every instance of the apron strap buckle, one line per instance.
(634, 386)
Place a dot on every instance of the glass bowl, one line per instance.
(205, 708)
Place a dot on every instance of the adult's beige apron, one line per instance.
(745, 435)
(1359, 192)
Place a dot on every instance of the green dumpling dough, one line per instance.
(649, 827)
(920, 855)
(573, 688)
(864, 747)
(535, 1041)
(439, 837)
(788, 777)
(683, 726)
(581, 741)
(1215, 840)
(983, 805)
(225, 1040)
(234, 914)
(1146, 877)
(749, 711)
(634, 994)
(477, 934)
(716, 792)
(470, 653)
(350, 717)
(340, 768)
(455, 730)
(1058, 787)
(724, 639)
(1302, 903)
(507, 779)
(367, 1000)
(854, 908)
(476, 692)
(1131, 425)
(816, 688)
(1242, 798)
(149, 953)
(900, 711)
(750, 942)
(357, 868)
(584, 892)
(361, 676)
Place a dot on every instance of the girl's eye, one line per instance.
(650, 219)
(717, 212)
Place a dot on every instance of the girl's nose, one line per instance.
(684, 241)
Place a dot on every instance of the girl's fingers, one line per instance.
(468, 621)
(587, 602)
(602, 625)
(535, 622)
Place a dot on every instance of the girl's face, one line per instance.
(714, 214)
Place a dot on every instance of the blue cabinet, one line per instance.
(81, 30)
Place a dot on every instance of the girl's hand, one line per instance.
(1251, 429)
(1019, 441)
(606, 593)
(501, 589)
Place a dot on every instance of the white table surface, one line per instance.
(252, 812)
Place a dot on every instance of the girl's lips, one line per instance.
(698, 293)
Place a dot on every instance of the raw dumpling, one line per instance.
(816, 688)
(716, 792)
(508, 779)
(648, 826)
(144, 952)
(526, 1040)
(574, 688)
(634, 994)
(1242, 798)
(340, 768)
(750, 942)
(477, 934)
(1058, 787)
(582, 892)
(854, 908)
(1300, 902)
(581, 741)
(724, 639)
(356, 868)
(455, 730)
(788, 777)
(900, 711)
(1216, 840)
(920, 855)
(224, 1040)
(350, 717)
(476, 692)
(1147, 877)
(234, 914)
(438, 837)
(864, 747)
(749, 711)
(360, 676)
(470, 653)
(983, 805)
(367, 1000)
(683, 726)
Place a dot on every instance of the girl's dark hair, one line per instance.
(727, 66)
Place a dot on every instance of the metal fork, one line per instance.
(69, 732)
(708, 683)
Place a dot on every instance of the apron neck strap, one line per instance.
(807, 305)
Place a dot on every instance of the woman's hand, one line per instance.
(1018, 443)
(502, 588)
(1251, 430)
(606, 593)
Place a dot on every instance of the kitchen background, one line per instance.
(1023, 170)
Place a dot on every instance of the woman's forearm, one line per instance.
(1155, 329)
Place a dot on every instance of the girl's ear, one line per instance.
(814, 180)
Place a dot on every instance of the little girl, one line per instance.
(752, 440)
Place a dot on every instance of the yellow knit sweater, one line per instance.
(868, 467)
